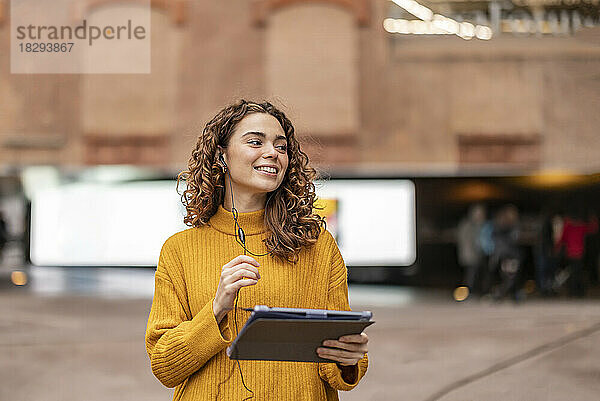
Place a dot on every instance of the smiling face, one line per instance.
(257, 158)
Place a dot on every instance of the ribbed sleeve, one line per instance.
(337, 299)
(177, 347)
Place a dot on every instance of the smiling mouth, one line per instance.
(270, 172)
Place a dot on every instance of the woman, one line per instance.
(574, 231)
(247, 171)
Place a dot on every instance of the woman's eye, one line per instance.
(283, 148)
(254, 142)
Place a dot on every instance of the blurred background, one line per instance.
(463, 133)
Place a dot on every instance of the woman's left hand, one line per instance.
(348, 349)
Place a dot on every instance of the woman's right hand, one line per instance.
(240, 272)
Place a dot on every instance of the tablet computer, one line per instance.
(293, 334)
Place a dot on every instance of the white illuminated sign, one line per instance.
(376, 220)
(104, 224)
(126, 224)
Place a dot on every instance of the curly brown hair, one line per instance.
(289, 213)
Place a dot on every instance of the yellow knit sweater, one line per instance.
(187, 347)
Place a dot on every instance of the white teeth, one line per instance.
(267, 169)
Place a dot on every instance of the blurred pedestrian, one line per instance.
(575, 229)
(470, 253)
(3, 234)
(591, 256)
(505, 260)
(545, 263)
(486, 241)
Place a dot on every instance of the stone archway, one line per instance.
(2, 11)
(176, 9)
(264, 8)
(130, 119)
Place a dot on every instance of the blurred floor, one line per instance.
(78, 334)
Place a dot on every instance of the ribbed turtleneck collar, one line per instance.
(251, 222)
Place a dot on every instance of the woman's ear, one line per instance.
(221, 158)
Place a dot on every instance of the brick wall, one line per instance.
(411, 102)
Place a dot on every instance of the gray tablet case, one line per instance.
(288, 334)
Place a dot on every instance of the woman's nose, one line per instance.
(271, 152)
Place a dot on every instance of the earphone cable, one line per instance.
(238, 231)
(237, 295)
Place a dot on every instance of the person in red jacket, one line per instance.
(573, 240)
